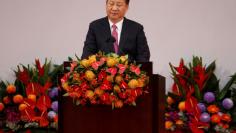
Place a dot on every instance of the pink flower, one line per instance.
(112, 70)
(122, 68)
(135, 69)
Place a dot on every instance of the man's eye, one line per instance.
(111, 4)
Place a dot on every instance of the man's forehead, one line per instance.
(118, 1)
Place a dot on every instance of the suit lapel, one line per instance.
(123, 37)
(107, 34)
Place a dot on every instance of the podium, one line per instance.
(146, 117)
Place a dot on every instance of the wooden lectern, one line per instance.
(146, 117)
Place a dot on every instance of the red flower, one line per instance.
(191, 107)
(84, 86)
(102, 75)
(28, 114)
(40, 69)
(23, 76)
(45, 87)
(105, 97)
(106, 85)
(181, 69)
(176, 89)
(43, 103)
(124, 85)
(122, 95)
(195, 129)
(136, 92)
(201, 76)
(33, 88)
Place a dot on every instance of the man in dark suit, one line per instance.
(117, 34)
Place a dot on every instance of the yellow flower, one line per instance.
(85, 63)
(123, 59)
(65, 86)
(111, 61)
(110, 78)
(89, 75)
(92, 59)
(117, 89)
(118, 79)
(133, 83)
(89, 94)
(141, 83)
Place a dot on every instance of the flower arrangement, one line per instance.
(196, 103)
(105, 79)
(31, 101)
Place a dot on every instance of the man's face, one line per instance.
(116, 10)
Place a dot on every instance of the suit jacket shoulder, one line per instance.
(100, 21)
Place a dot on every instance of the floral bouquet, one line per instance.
(105, 79)
(196, 103)
(30, 102)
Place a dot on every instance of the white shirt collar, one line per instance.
(119, 24)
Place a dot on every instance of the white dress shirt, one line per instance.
(119, 28)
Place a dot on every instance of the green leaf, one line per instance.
(197, 92)
(227, 87)
(3, 87)
(113, 105)
(211, 67)
(134, 103)
(77, 102)
(70, 59)
(66, 95)
(77, 57)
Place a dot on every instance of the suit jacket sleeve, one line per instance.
(143, 52)
(90, 45)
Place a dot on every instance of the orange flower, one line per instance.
(226, 117)
(18, 98)
(182, 106)
(118, 104)
(168, 124)
(179, 122)
(213, 109)
(169, 100)
(11, 89)
(22, 107)
(1, 107)
(6, 100)
(215, 118)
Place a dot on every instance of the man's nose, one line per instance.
(115, 7)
